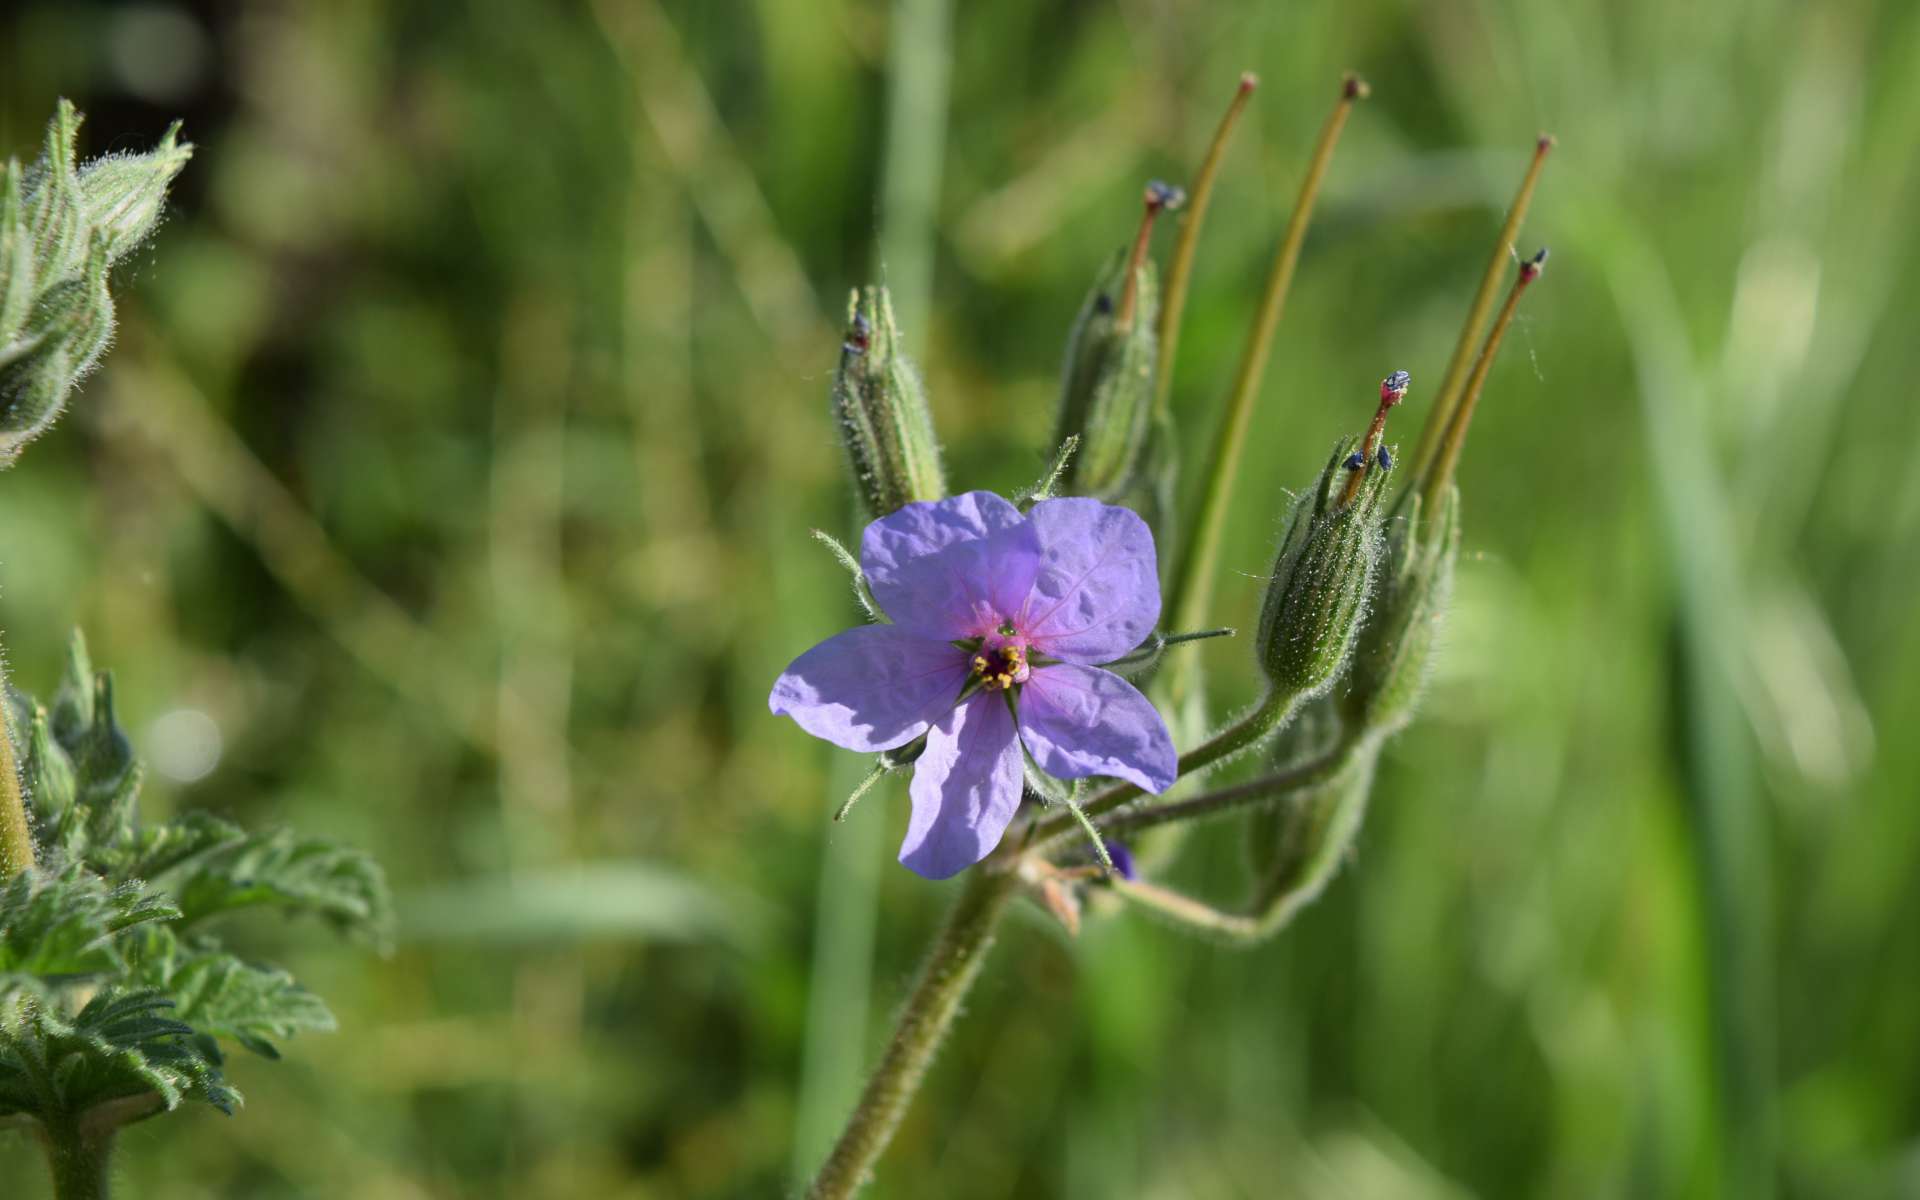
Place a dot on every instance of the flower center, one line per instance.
(999, 667)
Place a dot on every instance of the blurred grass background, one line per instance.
(448, 491)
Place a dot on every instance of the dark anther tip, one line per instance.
(1356, 460)
(1162, 195)
(1384, 459)
(1354, 88)
(1103, 304)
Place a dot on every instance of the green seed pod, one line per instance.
(1106, 385)
(64, 335)
(1321, 578)
(881, 411)
(123, 195)
(1393, 653)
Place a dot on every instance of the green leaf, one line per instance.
(285, 870)
(123, 1045)
(220, 995)
(56, 926)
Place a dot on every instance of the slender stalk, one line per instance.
(1191, 587)
(1180, 267)
(16, 835)
(1434, 484)
(78, 1157)
(1265, 719)
(1319, 844)
(1452, 383)
(949, 971)
(1228, 800)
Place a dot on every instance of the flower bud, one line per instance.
(60, 230)
(63, 336)
(1106, 386)
(122, 195)
(1317, 594)
(1394, 649)
(16, 260)
(881, 411)
(55, 226)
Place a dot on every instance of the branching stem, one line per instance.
(1319, 838)
(1265, 719)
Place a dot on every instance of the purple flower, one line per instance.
(998, 622)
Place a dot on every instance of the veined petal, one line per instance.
(951, 568)
(871, 688)
(1078, 721)
(966, 787)
(1097, 594)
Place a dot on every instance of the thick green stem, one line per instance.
(949, 971)
(16, 835)
(78, 1157)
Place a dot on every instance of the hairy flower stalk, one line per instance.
(951, 966)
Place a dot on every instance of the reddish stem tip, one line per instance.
(1248, 81)
(1163, 197)
(1393, 388)
(1530, 269)
(1353, 87)
(1546, 143)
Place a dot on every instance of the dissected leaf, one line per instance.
(221, 995)
(124, 1044)
(59, 925)
(285, 870)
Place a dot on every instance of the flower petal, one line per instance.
(952, 568)
(966, 787)
(1097, 595)
(1079, 721)
(871, 688)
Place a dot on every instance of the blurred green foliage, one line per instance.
(468, 416)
